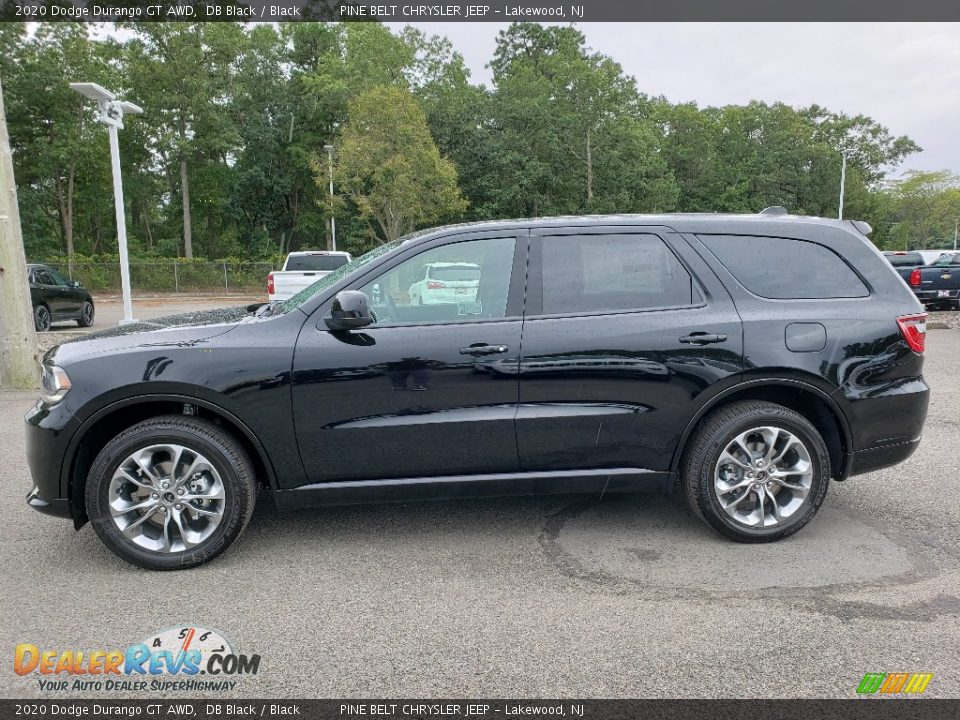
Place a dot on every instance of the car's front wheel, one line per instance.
(756, 471)
(170, 492)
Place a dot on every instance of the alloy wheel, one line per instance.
(763, 476)
(166, 498)
(43, 319)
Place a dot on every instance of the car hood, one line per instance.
(181, 330)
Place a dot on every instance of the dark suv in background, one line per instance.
(748, 358)
(56, 299)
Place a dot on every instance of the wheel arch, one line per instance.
(805, 398)
(109, 421)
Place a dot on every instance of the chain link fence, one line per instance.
(171, 276)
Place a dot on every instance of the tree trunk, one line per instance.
(185, 194)
(589, 170)
(70, 177)
(65, 210)
(18, 339)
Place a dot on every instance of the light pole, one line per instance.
(843, 182)
(333, 220)
(956, 224)
(111, 115)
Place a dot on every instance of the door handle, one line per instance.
(702, 338)
(482, 349)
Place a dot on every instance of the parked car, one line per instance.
(657, 350)
(56, 299)
(301, 269)
(938, 284)
(447, 282)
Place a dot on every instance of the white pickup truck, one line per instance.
(302, 269)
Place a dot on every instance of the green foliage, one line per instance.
(237, 117)
(919, 212)
(389, 166)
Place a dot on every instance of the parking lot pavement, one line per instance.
(562, 596)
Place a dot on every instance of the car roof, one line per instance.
(718, 223)
(452, 264)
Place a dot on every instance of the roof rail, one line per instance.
(774, 210)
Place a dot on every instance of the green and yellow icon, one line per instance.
(894, 683)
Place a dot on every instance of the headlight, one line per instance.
(54, 384)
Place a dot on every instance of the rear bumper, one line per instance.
(933, 296)
(880, 457)
(886, 422)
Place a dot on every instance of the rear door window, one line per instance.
(785, 268)
(612, 273)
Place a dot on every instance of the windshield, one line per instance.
(327, 280)
(316, 262)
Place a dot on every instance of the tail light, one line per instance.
(271, 289)
(915, 278)
(914, 330)
(434, 285)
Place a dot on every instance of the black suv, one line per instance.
(56, 299)
(748, 358)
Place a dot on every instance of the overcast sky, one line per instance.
(906, 76)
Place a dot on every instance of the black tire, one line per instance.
(222, 450)
(87, 313)
(41, 318)
(712, 437)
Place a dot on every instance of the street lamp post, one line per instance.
(333, 220)
(843, 182)
(111, 115)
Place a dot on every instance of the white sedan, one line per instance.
(445, 282)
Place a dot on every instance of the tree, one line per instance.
(920, 211)
(390, 167)
(567, 118)
(184, 75)
(57, 143)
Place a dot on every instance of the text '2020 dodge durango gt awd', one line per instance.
(749, 358)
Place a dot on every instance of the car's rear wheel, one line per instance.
(171, 492)
(41, 318)
(86, 314)
(756, 471)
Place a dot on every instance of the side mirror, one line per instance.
(350, 310)
(76, 284)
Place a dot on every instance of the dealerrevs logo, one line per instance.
(184, 653)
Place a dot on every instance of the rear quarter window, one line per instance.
(785, 268)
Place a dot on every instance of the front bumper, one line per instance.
(58, 507)
(47, 436)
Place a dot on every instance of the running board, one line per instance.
(598, 481)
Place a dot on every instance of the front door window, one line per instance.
(459, 282)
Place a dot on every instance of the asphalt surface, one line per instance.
(529, 597)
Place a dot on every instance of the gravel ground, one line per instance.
(629, 597)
